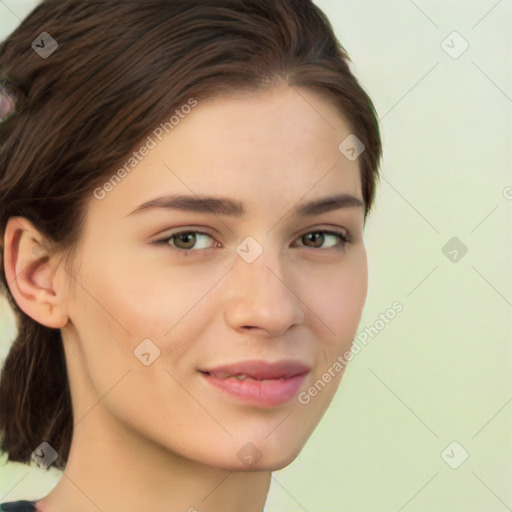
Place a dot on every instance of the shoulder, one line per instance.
(18, 506)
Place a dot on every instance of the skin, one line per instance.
(160, 437)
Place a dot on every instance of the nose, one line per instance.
(262, 296)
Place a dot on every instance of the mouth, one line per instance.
(258, 382)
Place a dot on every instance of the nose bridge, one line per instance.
(262, 295)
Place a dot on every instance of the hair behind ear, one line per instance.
(35, 401)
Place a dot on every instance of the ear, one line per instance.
(34, 275)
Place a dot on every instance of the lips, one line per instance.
(260, 370)
(259, 382)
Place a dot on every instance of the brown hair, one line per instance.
(121, 68)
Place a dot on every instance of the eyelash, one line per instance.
(345, 238)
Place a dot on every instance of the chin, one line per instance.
(250, 458)
(273, 459)
(279, 461)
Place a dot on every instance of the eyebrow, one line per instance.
(233, 208)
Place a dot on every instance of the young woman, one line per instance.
(183, 191)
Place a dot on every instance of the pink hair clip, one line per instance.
(7, 104)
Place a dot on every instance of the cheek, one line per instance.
(123, 298)
(339, 297)
(118, 306)
(111, 327)
(159, 296)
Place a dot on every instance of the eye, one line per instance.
(184, 241)
(316, 238)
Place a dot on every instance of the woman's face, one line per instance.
(151, 313)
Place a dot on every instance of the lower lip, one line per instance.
(259, 392)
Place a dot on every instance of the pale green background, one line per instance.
(441, 370)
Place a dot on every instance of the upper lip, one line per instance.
(262, 370)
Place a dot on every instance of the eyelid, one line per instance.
(169, 233)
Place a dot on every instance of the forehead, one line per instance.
(279, 145)
(281, 122)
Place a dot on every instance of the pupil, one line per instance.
(184, 239)
(315, 237)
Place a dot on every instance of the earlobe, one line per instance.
(34, 274)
